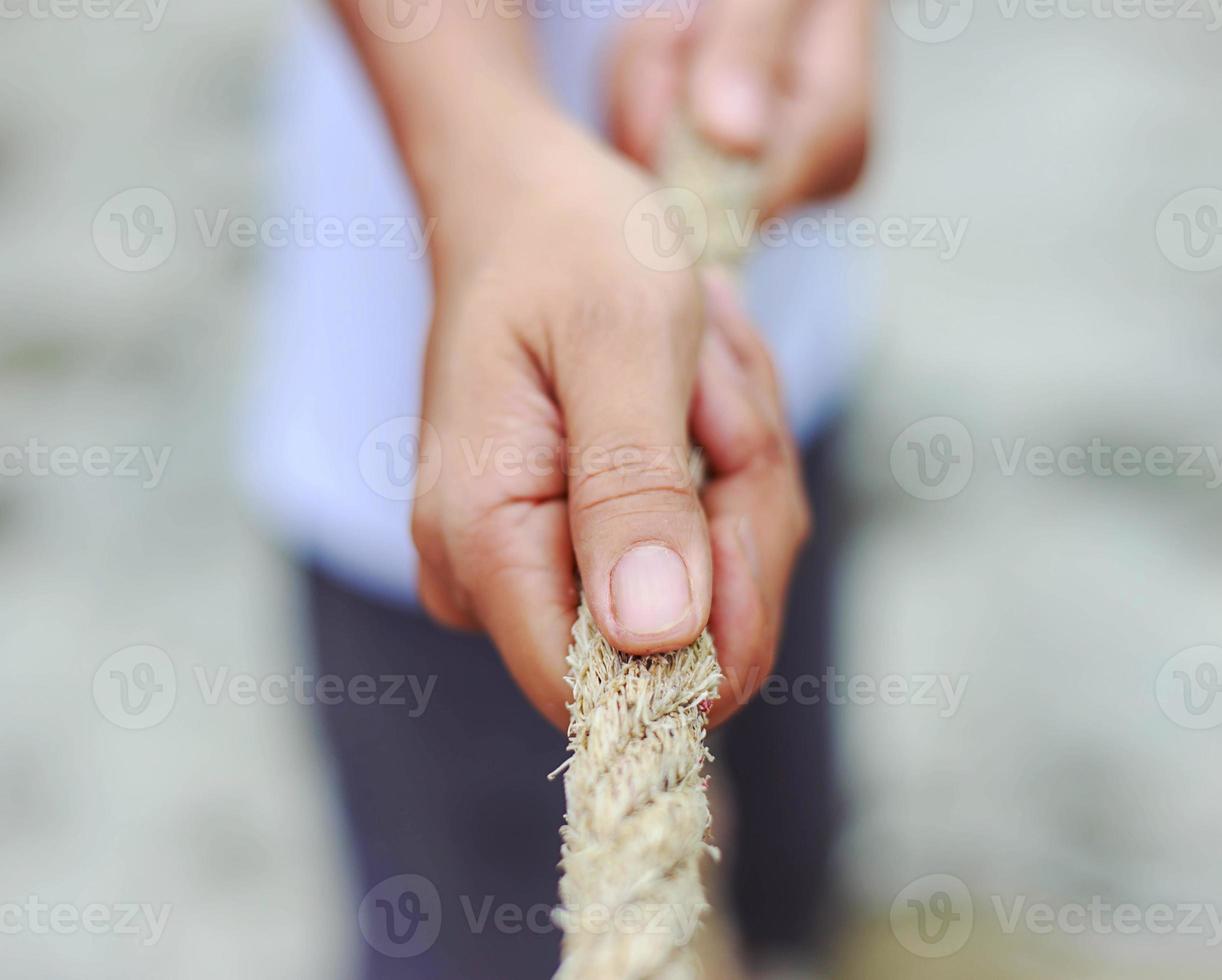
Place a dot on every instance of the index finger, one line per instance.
(756, 505)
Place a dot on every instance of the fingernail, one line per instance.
(650, 591)
(735, 108)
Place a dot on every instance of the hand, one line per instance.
(787, 81)
(561, 379)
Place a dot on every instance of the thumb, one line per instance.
(736, 69)
(638, 528)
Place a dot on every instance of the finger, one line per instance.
(818, 145)
(756, 505)
(727, 317)
(739, 622)
(737, 62)
(756, 453)
(435, 591)
(526, 597)
(769, 524)
(435, 584)
(493, 533)
(639, 532)
(645, 86)
(436, 587)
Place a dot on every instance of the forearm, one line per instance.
(465, 103)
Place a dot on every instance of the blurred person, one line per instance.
(384, 377)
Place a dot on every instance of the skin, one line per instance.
(786, 81)
(551, 343)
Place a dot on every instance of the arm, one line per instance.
(458, 91)
(562, 379)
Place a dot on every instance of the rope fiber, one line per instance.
(637, 817)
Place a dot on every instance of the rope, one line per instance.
(637, 821)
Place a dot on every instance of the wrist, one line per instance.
(480, 180)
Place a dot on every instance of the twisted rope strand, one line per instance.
(638, 815)
(637, 821)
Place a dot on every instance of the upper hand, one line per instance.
(563, 379)
(787, 81)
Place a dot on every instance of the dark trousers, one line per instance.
(451, 788)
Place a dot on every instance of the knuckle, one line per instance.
(851, 157)
(430, 596)
(757, 661)
(804, 520)
(763, 363)
(655, 303)
(439, 604)
(769, 446)
(766, 361)
(627, 477)
(489, 544)
(428, 535)
(761, 447)
(748, 28)
(753, 352)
